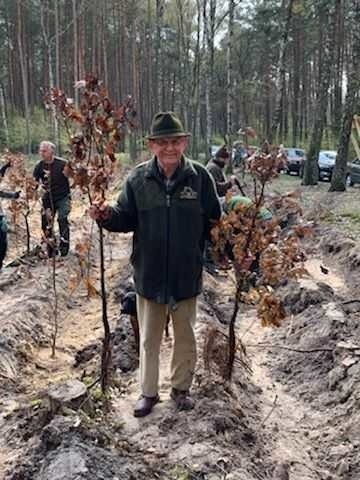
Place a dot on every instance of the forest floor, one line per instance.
(295, 416)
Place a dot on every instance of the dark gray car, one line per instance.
(296, 158)
(326, 163)
(353, 174)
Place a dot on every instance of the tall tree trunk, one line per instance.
(47, 44)
(338, 77)
(338, 181)
(298, 25)
(196, 88)
(209, 34)
(57, 65)
(24, 73)
(75, 52)
(311, 170)
(281, 76)
(230, 81)
(158, 56)
(4, 116)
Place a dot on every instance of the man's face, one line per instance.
(46, 153)
(168, 150)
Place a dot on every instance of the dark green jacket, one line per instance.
(170, 223)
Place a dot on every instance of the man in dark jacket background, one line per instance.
(216, 169)
(169, 203)
(56, 198)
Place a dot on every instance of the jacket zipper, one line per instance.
(168, 203)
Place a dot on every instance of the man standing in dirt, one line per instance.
(56, 198)
(169, 203)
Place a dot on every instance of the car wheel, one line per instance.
(348, 181)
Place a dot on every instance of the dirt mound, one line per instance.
(297, 297)
(320, 364)
(124, 355)
(344, 251)
(21, 328)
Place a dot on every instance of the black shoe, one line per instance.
(144, 405)
(182, 399)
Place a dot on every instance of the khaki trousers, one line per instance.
(152, 320)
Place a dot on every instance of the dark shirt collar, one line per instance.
(175, 174)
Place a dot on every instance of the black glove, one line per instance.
(17, 195)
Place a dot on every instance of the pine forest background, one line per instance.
(222, 65)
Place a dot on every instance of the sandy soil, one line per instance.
(294, 418)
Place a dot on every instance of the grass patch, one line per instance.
(179, 472)
(354, 216)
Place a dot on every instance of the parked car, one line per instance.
(214, 149)
(296, 158)
(353, 174)
(326, 163)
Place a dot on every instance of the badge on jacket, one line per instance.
(188, 194)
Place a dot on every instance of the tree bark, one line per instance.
(338, 181)
(281, 76)
(4, 115)
(311, 170)
(24, 73)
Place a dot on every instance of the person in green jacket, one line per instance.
(169, 203)
(264, 213)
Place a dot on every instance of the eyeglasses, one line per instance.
(174, 142)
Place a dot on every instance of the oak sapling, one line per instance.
(95, 130)
(250, 237)
(19, 179)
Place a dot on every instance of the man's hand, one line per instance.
(100, 212)
(233, 180)
(17, 194)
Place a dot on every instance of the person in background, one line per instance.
(240, 155)
(169, 203)
(49, 172)
(3, 223)
(216, 169)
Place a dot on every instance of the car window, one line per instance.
(299, 153)
(330, 155)
(290, 152)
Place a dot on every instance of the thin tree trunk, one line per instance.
(281, 80)
(4, 116)
(47, 44)
(209, 34)
(230, 80)
(23, 74)
(311, 170)
(75, 53)
(338, 181)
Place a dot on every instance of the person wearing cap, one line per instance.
(169, 202)
(216, 169)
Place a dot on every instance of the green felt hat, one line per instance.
(166, 124)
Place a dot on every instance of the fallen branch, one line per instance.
(270, 412)
(355, 300)
(282, 347)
